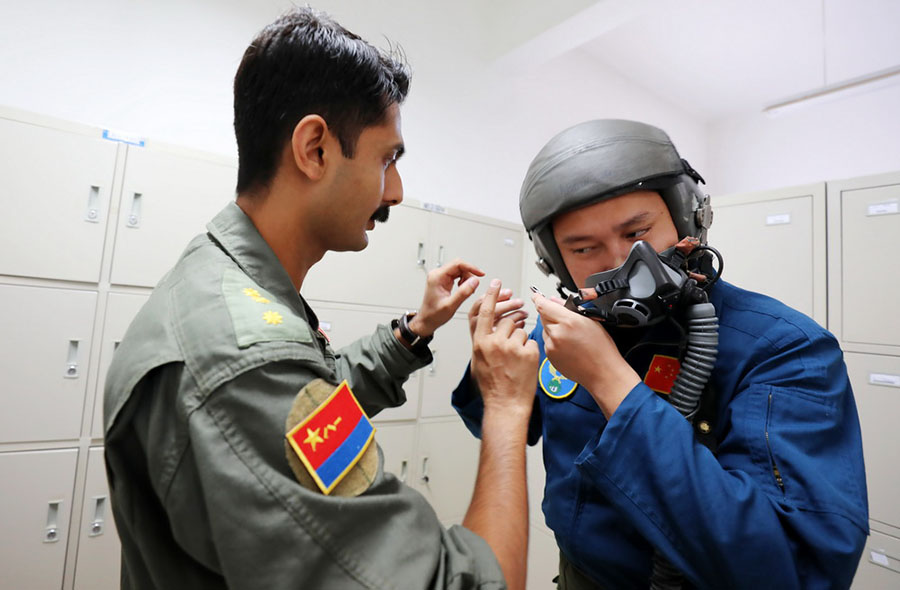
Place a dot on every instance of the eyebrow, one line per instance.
(639, 218)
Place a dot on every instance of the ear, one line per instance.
(308, 146)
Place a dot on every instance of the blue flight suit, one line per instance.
(782, 502)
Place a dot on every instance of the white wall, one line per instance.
(854, 136)
(163, 70)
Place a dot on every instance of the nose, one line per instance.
(620, 255)
(393, 187)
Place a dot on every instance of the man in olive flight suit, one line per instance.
(201, 386)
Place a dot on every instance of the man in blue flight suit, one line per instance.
(765, 487)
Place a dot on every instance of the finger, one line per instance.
(517, 316)
(459, 267)
(464, 292)
(505, 307)
(473, 311)
(485, 324)
(519, 336)
(550, 311)
(520, 325)
(504, 327)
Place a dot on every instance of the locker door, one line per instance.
(870, 221)
(397, 442)
(99, 551)
(543, 560)
(390, 272)
(343, 325)
(876, 386)
(36, 501)
(769, 246)
(167, 199)
(447, 464)
(494, 249)
(120, 310)
(879, 566)
(452, 349)
(43, 361)
(55, 187)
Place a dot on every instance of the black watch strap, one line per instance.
(414, 340)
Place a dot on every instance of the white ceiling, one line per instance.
(716, 58)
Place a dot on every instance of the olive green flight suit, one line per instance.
(194, 411)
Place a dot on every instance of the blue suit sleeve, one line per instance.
(782, 503)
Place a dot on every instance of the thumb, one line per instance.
(463, 292)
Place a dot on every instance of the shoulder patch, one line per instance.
(329, 440)
(554, 383)
(255, 314)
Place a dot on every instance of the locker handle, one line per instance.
(425, 478)
(51, 532)
(96, 526)
(432, 368)
(440, 257)
(72, 360)
(134, 216)
(92, 214)
(403, 471)
(420, 255)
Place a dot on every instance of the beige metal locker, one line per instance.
(773, 242)
(167, 198)
(44, 358)
(36, 497)
(98, 563)
(543, 559)
(389, 272)
(447, 463)
(876, 386)
(397, 442)
(864, 239)
(120, 310)
(495, 249)
(343, 324)
(452, 349)
(879, 567)
(55, 188)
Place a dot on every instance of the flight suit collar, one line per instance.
(240, 239)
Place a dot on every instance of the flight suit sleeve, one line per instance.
(782, 503)
(236, 507)
(377, 366)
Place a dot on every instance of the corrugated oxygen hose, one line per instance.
(699, 360)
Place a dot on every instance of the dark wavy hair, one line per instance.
(306, 63)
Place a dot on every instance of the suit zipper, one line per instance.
(775, 471)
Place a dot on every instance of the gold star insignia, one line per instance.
(657, 370)
(313, 438)
(272, 317)
(251, 292)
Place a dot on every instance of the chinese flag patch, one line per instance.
(662, 373)
(332, 438)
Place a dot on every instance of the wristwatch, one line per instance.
(415, 341)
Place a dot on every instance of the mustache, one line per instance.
(381, 214)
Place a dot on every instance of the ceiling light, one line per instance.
(853, 86)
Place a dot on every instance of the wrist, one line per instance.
(420, 327)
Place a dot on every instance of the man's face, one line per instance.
(598, 237)
(363, 187)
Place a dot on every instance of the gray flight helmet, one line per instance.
(599, 160)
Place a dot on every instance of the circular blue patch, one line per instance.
(554, 383)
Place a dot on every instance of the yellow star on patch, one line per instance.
(313, 437)
(273, 318)
(251, 293)
(260, 300)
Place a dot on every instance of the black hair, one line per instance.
(306, 63)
